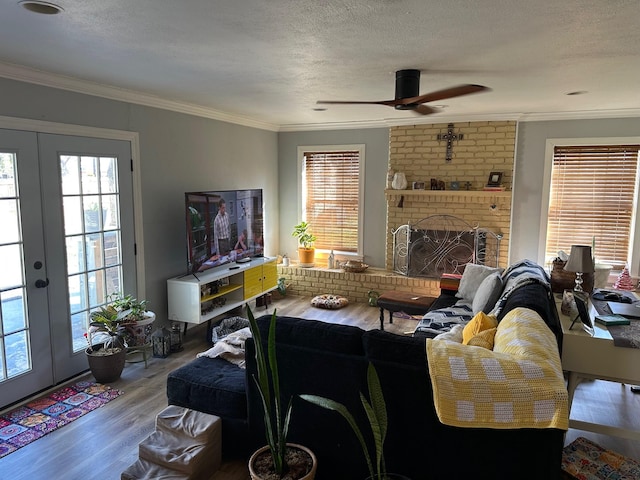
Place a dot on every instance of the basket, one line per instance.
(562, 280)
(354, 267)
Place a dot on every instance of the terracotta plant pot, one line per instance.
(106, 368)
(306, 256)
(309, 476)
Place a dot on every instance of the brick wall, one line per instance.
(355, 286)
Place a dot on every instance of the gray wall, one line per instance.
(376, 141)
(528, 178)
(178, 153)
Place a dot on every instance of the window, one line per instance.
(593, 200)
(332, 186)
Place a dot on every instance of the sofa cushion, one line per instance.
(314, 334)
(209, 385)
(391, 347)
(488, 293)
(472, 278)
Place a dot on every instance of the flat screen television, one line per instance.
(223, 226)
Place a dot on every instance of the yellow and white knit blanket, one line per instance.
(518, 384)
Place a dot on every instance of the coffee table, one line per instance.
(596, 357)
(407, 302)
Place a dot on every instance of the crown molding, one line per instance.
(39, 77)
(46, 79)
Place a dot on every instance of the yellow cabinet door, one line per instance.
(261, 279)
(252, 282)
(269, 276)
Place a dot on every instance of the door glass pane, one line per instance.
(12, 273)
(75, 254)
(10, 231)
(91, 206)
(15, 357)
(17, 352)
(72, 209)
(13, 311)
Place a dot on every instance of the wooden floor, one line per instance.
(104, 442)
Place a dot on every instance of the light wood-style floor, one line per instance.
(104, 442)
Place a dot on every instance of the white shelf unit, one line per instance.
(187, 303)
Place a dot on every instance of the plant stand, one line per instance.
(142, 350)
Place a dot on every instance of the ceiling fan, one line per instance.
(408, 94)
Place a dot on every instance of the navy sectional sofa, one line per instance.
(331, 360)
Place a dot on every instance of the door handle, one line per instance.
(42, 283)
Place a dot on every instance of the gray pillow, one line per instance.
(488, 294)
(472, 277)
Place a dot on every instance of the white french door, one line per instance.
(67, 241)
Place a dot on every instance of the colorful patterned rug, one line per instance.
(584, 460)
(25, 424)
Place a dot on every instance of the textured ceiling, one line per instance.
(267, 62)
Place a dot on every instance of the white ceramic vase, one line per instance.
(399, 181)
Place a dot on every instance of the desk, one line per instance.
(595, 357)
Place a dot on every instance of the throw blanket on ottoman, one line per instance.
(231, 347)
(518, 384)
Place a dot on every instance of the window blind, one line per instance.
(592, 200)
(331, 182)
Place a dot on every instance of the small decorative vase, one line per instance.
(399, 181)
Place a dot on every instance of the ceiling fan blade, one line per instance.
(348, 102)
(425, 109)
(444, 94)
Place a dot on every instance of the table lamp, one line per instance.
(580, 261)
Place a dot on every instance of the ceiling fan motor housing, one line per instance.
(407, 86)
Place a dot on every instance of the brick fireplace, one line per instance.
(485, 147)
(415, 150)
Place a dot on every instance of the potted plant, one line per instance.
(278, 457)
(376, 410)
(306, 250)
(112, 329)
(136, 319)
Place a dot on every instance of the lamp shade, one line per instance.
(580, 259)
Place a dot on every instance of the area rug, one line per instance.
(583, 459)
(407, 316)
(27, 423)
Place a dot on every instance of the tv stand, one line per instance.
(199, 299)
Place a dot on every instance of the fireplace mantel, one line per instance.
(455, 193)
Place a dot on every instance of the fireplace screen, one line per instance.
(442, 244)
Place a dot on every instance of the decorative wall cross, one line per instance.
(450, 137)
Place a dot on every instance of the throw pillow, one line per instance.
(478, 323)
(453, 335)
(484, 339)
(472, 277)
(488, 294)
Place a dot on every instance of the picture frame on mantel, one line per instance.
(495, 179)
